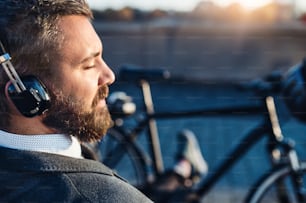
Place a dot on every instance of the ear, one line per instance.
(6, 91)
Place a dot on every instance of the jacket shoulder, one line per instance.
(97, 187)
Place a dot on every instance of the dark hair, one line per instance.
(29, 32)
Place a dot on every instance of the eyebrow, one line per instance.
(93, 55)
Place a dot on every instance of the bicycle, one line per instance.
(119, 145)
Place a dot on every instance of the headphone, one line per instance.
(28, 93)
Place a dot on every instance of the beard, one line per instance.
(67, 116)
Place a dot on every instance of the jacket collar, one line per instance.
(30, 161)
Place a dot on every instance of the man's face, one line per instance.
(82, 85)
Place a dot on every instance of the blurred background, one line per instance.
(208, 47)
(214, 40)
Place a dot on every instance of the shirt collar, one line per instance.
(50, 143)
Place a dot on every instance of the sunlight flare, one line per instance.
(247, 4)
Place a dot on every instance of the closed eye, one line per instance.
(89, 67)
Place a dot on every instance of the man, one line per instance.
(40, 156)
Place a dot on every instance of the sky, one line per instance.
(184, 5)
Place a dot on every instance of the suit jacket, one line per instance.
(27, 176)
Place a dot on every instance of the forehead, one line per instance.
(79, 37)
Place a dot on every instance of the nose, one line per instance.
(107, 76)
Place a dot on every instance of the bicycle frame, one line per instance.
(151, 116)
(269, 126)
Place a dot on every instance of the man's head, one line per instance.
(55, 41)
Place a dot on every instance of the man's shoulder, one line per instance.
(104, 187)
(81, 178)
(46, 162)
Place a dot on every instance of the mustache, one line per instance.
(102, 93)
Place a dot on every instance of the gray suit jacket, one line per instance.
(41, 177)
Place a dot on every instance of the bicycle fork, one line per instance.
(284, 150)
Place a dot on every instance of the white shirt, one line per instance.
(50, 143)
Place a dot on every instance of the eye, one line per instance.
(89, 67)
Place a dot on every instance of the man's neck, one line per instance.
(29, 126)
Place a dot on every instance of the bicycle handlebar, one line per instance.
(266, 86)
(134, 73)
(291, 85)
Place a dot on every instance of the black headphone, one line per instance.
(28, 93)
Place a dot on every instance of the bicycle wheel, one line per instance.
(123, 156)
(278, 186)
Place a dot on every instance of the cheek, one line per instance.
(85, 93)
(81, 86)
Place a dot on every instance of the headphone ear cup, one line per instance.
(25, 102)
(34, 100)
